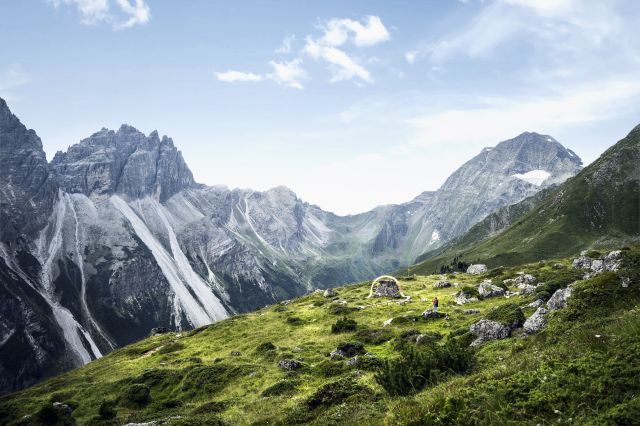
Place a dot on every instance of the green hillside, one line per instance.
(599, 207)
(582, 368)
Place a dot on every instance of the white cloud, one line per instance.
(501, 118)
(233, 76)
(411, 56)
(289, 74)
(137, 11)
(127, 14)
(339, 31)
(286, 45)
(342, 66)
(561, 26)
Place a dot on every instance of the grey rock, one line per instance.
(289, 364)
(486, 289)
(155, 331)
(559, 299)
(487, 330)
(442, 284)
(526, 289)
(536, 322)
(430, 314)
(536, 303)
(477, 269)
(559, 266)
(236, 353)
(582, 262)
(526, 279)
(330, 293)
(625, 282)
(613, 261)
(471, 311)
(385, 288)
(463, 298)
(62, 409)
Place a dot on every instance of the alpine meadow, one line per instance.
(364, 212)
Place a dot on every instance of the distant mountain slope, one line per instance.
(114, 237)
(600, 205)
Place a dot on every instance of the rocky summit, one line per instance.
(114, 238)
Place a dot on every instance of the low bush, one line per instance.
(343, 325)
(171, 347)
(351, 348)
(508, 314)
(107, 410)
(337, 309)
(330, 368)
(210, 407)
(337, 392)
(209, 378)
(420, 367)
(135, 395)
(265, 347)
(294, 320)
(374, 336)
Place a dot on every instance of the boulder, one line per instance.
(462, 297)
(559, 299)
(526, 289)
(536, 322)
(486, 289)
(613, 261)
(430, 314)
(330, 293)
(289, 364)
(509, 281)
(156, 331)
(471, 311)
(442, 284)
(625, 281)
(558, 266)
(487, 330)
(385, 288)
(63, 410)
(235, 353)
(525, 279)
(387, 322)
(348, 350)
(582, 262)
(476, 269)
(536, 303)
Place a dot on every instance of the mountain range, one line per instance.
(114, 237)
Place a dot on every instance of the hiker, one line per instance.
(435, 304)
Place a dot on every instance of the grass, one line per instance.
(564, 374)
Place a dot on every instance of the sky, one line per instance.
(351, 104)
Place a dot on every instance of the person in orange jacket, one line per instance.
(435, 304)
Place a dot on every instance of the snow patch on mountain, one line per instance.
(534, 177)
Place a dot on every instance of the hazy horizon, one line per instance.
(317, 97)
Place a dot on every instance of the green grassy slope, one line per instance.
(582, 368)
(599, 206)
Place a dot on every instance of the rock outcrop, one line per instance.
(486, 330)
(536, 322)
(559, 299)
(486, 289)
(477, 269)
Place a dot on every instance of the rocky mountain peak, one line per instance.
(126, 162)
(27, 188)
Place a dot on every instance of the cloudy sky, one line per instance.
(349, 103)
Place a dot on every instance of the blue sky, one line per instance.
(349, 103)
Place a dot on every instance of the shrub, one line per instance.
(265, 347)
(294, 320)
(508, 314)
(337, 392)
(136, 395)
(107, 411)
(337, 309)
(374, 336)
(418, 368)
(351, 348)
(209, 378)
(281, 387)
(470, 291)
(330, 368)
(343, 325)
